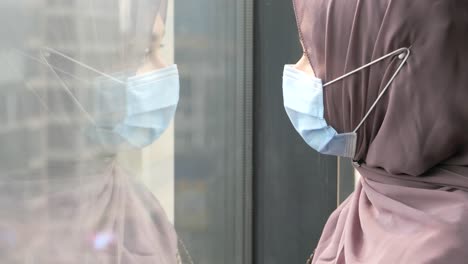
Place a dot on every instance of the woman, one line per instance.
(410, 117)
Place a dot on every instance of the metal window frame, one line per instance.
(245, 35)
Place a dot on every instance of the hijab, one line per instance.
(414, 145)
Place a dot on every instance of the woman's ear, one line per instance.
(304, 65)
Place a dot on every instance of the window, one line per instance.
(85, 177)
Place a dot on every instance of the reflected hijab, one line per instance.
(414, 145)
(105, 217)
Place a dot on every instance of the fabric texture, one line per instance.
(411, 203)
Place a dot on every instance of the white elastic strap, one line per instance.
(401, 52)
(82, 64)
(67, 90)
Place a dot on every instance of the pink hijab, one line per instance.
(411, 204)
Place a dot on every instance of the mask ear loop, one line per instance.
(51, 50)
(62, 83)
(404, 53)
(44, 52)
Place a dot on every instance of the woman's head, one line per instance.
(417, 124)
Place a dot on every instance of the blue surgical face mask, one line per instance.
(137, 111)
(303, 102)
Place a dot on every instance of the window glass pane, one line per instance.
(122, 123)
(210, 128)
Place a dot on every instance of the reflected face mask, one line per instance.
(303, 102)
(138, 111)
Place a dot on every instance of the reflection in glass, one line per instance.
(83, 88)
